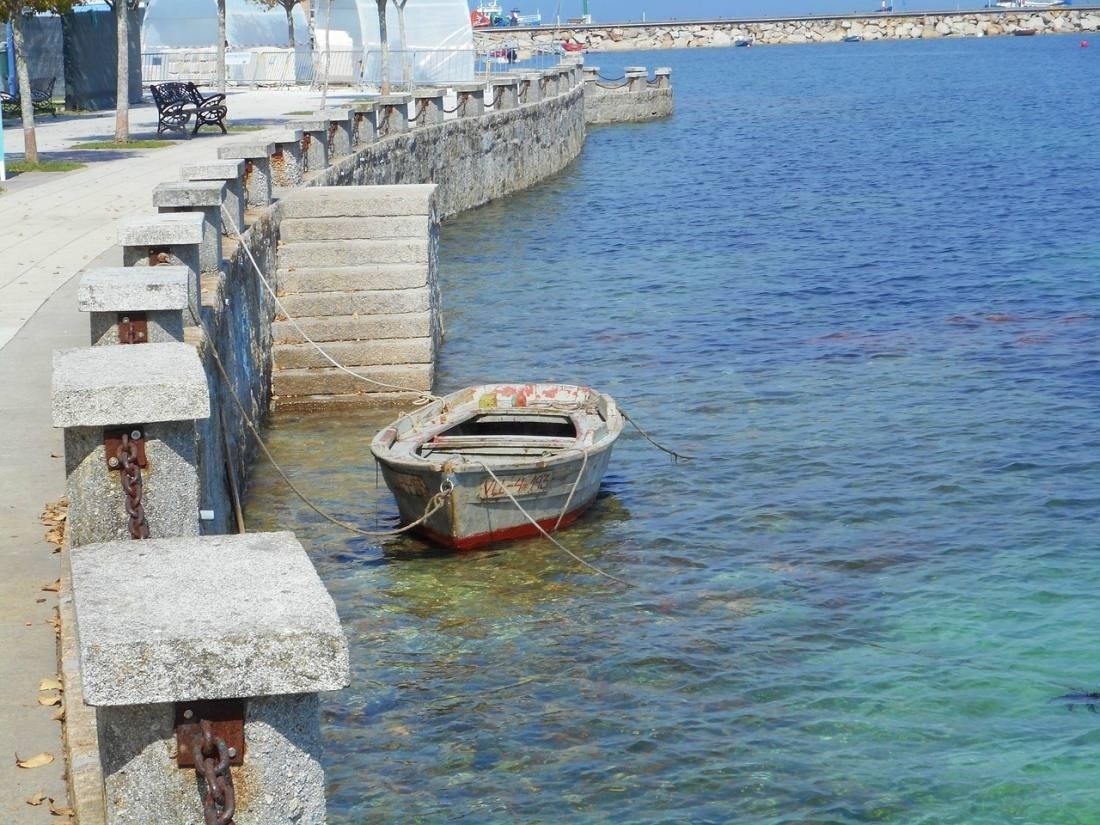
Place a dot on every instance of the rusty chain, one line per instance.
(132, 484)
(212, 763)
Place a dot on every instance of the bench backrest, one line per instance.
(166, 94)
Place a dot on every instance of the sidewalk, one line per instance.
(53, 225)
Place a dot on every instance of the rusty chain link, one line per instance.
(212, 763)
(132, 485)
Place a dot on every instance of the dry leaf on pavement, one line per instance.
(63, 811)
(34, 761)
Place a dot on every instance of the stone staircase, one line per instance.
(357, 273)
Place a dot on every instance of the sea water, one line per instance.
(858, 284)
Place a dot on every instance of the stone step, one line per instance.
(334, 229)
(367, 302)
(317, 254)
(358, 401)
(331, 381)
(355, 328)
(358, 201)
(355, 353)
(352, 278)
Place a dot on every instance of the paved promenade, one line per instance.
(52, 225)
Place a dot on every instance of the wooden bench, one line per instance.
(177, 102)
(41, 98)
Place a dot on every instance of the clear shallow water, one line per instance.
(859, 283)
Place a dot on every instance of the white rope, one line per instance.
(421, 395)
(576, 481)
(546, 535)
(433, 504)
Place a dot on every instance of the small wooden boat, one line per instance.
(496, 448)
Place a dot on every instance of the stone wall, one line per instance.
(632, 99)
(473, 160)
(775, 31)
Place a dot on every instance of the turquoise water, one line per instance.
(859, 284)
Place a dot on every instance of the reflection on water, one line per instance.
(855, 604)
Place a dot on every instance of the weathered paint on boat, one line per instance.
(555, 478)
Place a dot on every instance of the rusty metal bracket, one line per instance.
(227, 722)
(133, 328)
(160, 255)
(112, 441)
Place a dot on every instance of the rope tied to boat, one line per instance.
(545, 534)
(433, 505)
(675, 455)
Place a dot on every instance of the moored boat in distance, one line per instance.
(503, 458)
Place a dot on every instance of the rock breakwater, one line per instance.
(779, 31)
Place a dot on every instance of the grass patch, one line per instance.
(129, 144)
(18, 167)
(305, 112)
(245, 127)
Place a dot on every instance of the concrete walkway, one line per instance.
(54, 225)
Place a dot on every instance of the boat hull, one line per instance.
(478, 510)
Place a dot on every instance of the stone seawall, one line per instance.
(472, 160)
(632, 99)
(779, 31)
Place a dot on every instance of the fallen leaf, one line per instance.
(53, 587)
(34, 761)
(59, 715)
(37, 799)
(49, 684)
(50, 701)
(65, 811)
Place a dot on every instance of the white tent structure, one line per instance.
(193, 24)
(347, 49)
(440, 41)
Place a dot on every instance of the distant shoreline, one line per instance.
(767, 31)
(710, 21)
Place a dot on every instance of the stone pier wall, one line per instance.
(473, 160)
(780, 31)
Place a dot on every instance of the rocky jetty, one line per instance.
(723, 33)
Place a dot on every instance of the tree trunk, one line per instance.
(383, 35)
(122, 89)
(406, 58)
(30, 143)
(221, 46)
(290, 24)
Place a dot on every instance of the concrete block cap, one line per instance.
(166, 229)
(133, 289)
(251, 149)
(112, 386)
(204, 617)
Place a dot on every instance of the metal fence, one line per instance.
(301, 67)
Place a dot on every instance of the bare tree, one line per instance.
(288, 7)
(221, 46)
(13, 11)
(122, 9)
(383, 35)
(406, 58)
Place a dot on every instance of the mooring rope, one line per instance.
(649, 438)
(434, 503)
(573, 489)
(545, 534)
(422, 396)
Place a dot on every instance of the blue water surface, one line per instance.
(858, 283)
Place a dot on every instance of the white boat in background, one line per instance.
(1030, 4)
(493, 449)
